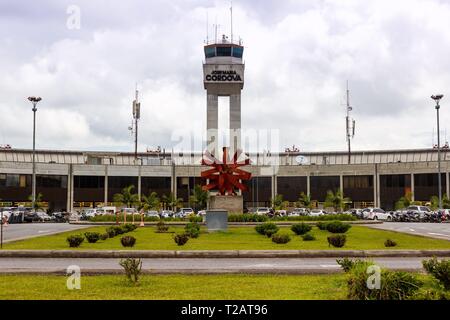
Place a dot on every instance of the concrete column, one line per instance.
(447, 184)
(173, 181)
(235, 122)
(412, 188)
(212, 123)
(72, 189)
(341, 183)
(308, 185)
(274, 186)
(69, 188)
(139, 184)
(105, 200)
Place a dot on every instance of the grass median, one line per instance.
(176, 287)
(236, 238)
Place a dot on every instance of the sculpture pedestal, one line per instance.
(232, 204)
(217, 220)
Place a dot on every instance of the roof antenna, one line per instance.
(207, 25)
(231, 15)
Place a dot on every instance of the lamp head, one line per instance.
(437, 97)
(34, 99)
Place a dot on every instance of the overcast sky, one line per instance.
(298, 57)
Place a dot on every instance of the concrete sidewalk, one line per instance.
(220, 254)
(198, 266)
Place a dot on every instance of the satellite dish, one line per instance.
(302, 160)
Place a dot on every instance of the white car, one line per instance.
(129, 211)
(202, 213)
(90, 213)
(298, 212)
(166, 214)
(152, 213)
(376, 214)
(317, 213)
(262, 211)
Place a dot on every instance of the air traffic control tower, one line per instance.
(223, 75)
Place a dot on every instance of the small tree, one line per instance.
(404, 202)
(126, 197)
(38, 201)
(171, 201)
(199, 197)
(305, 201)
(434, 203)
(336, 200)
(150, 202)
(445, 202)
(278, 203)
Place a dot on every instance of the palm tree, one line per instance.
(305, 201)
(199, 197)
(336, 200)
(434, 203)
(404, 202)
(171, 201)
(38, 201)
(151, 201)
(126, 197)
(278, 203)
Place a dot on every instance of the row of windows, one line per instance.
(24, 180)
(358, 182)
(236, 52)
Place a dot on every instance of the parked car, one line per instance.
(88, 213)
(61, 217)
(166, 214)
(202, 213)
(317, 212)
(74, 217)
(376, 214)
(263, 211)
(184, 212)
(280, 213)
(127, 210)
(152, 214)
(298, 212)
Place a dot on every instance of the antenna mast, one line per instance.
(350, 126)
(231, 14)
(136, 117)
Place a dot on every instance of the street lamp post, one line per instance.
(34, 101)
(437, 98)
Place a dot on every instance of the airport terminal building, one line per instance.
(72, 180)
(69, 180)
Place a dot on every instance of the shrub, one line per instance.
(194, 218)
(111, 231)
(92, 237)
(192, 229)
(128, 227)
(348, 264)
(390, 243)
(301, 229)
(432, 294)
(322, 225)
(104, 236)
(440, 270)
(133, 268)
(161, 227)
(281, 238)
(338, 227)
(247, 218)
(75, 240)
(181, 239)
(128, 241)
(337, 240)
(308, 237)
(268, 229)
(341, 217)
(394, 285)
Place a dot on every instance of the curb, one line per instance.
(243, 271)
(231, 224)
(203, 254)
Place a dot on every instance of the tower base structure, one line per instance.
(233, 204)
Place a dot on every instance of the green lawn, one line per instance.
(177, 287)
(237, 238)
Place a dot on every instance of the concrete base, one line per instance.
(232, 204)
(217, 220)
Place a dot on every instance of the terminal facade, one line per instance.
(71, 180)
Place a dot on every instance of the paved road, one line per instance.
(14, 232)
(280, 265)
(434, 230)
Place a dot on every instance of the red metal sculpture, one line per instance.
(225, 176)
